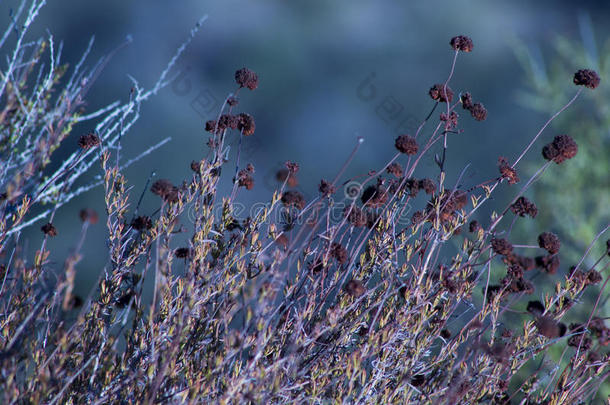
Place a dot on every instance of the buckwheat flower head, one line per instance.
(586, 77)
(246, 78)
(461, 43)
(89, 141)
(406, 144)
(441, 93)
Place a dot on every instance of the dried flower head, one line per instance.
(395, 169)
(562, 148)
(461, 43)
(586, 77)
(478, 112)
(245, 179)
(292, 167)
(427, 185)
(549, 263)
(549, 241)
(88, 215)
(535, 308)
(474, 226)
(141, 223)
(501, 246)
(466, 100)
(326, 188)
(593, 277)
(507, 171)
(232, 101)
(339, 253)
(293, 198)
(374, 196)
(246, 124)
(210, 125)
(354, 288)
(246, 78)
(441, 93)
(166, 190)
(550, 328)
(48, 229)
(451, 120)
(284, 175)
(406, 144)
(183, 253)
(89, 141)
(523, 207)
(228, 121)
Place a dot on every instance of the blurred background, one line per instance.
(333, 71)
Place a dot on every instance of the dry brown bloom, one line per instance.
(293, 198)
(478, 112)
(507, 171)
(166, 190)
(89, 141)
(395, 169)
(141, 223)
(246, 78)
(326, 188)
(586, 77)
(427, 185)
(339, 253)
(523, 207)
(48, 229)
(441, 93)
(501, 246)
(549, 263)
(406, 144)
(550, 328)
(354, 288)
(461, 43)
(88, 215)
(562, 148)
(284, 175)
(246, 124)
(374, 196)
(549, 241)
(466, 100)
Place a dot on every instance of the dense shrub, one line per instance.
(351, 298)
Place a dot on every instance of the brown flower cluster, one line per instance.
(326, 188)
(461, 43)
(242, 122)
(88, 215)
(507, 171)
(586, 77)
(246, 78)
(449, 203)
(562, 148)
(293, 198)
(549, 242)
(244, 177)
(339, 253)
(441, 93)
(49, 229)
(375, 196)
(501, 246)
(406, 144)
(166, 190)
(477, 110)
(89, 141)
(523, 207)
(285, 175)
